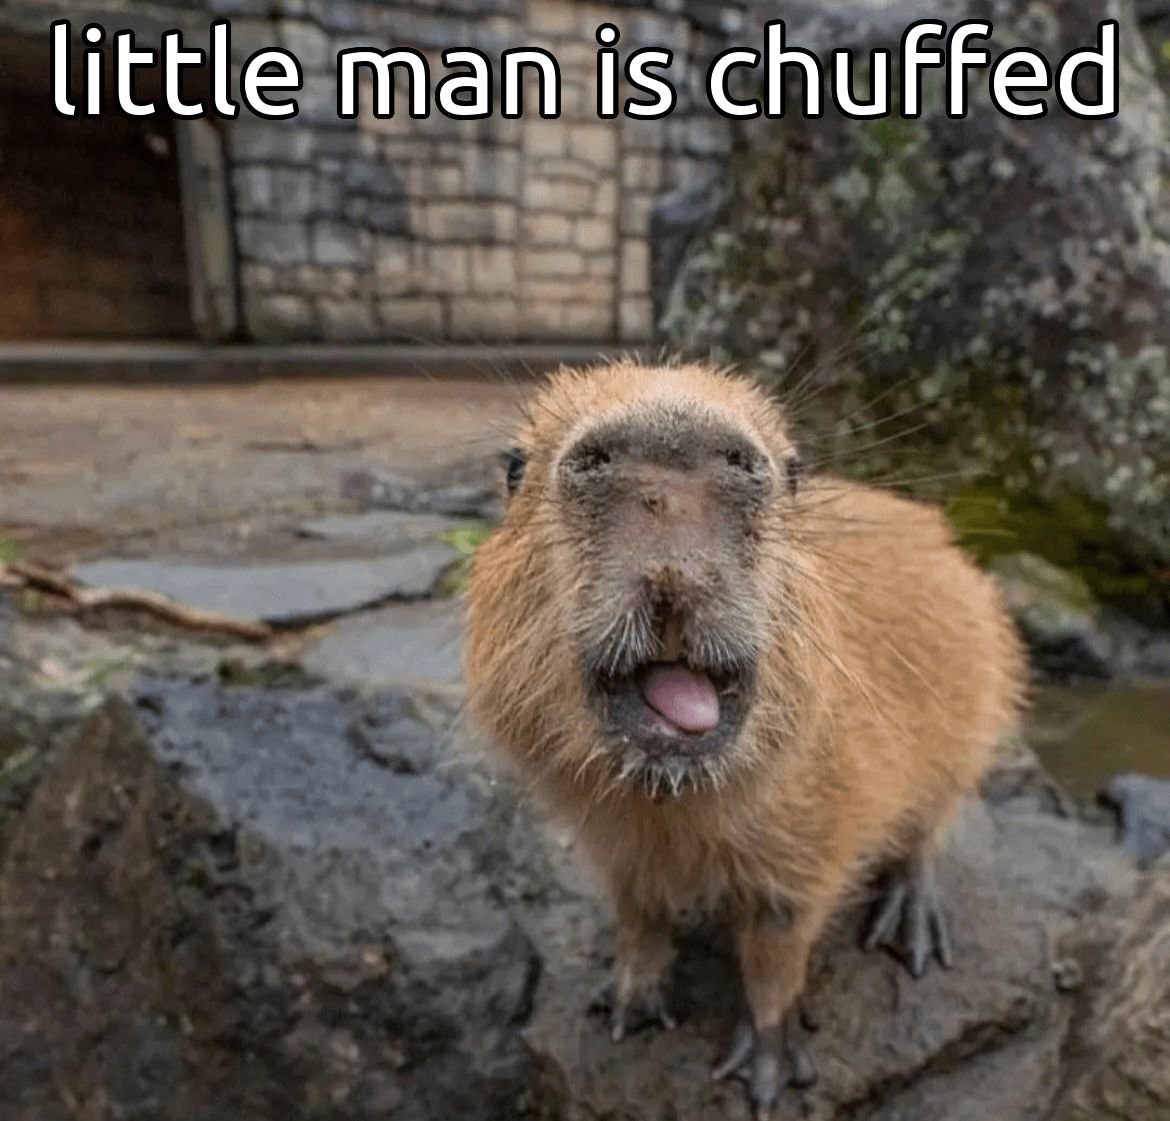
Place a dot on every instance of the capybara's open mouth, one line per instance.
(671, 726)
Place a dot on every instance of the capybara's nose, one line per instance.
(637, 452)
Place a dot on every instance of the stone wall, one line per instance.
(431, 230)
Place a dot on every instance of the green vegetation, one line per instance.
(464, 541)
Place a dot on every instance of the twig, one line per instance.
(20, 574)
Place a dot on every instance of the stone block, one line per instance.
(276, 317)
(248, 35)
(491, 172)
(635, 267)
(606, 201)
(328, 194)
(485, 317)
(347, 319)
(274, 191)
(641, 172)
(548, 229)
(308, 43)
(545, 139)
(553, 17)
(468, 221)
(447, 180)
(377, 215)
(250, 141)
(335, 243)
(566, 196)
(394, 266)
(635, 320)
(591, 234)
(602, 265)
(552, 262)
(493, 268)
(272, 242)
(635, 210)
(447, 268)
(596, 144)
(589, 321)
(542, 318)
(643, 136)
(552, 288)
(415, 318)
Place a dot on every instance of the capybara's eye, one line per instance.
(796, 471)
(514, 463)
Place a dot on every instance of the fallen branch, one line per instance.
(34, 578)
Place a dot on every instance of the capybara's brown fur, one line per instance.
(866, 670)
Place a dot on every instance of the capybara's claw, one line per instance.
(766, 1061)
(644, 1008)
(909, 920)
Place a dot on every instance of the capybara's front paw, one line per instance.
(626, 1012)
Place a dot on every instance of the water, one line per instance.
(1085, 734)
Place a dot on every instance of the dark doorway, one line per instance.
(92, 241)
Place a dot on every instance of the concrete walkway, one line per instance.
(39, 362)
(220, 469)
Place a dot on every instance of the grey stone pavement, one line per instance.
(337, 510)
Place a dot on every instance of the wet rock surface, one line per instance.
(284, 593)
(1142, 806)
(383, 490)
(1118, 1055)
(218, 906)
(418, 643)
(238, 903)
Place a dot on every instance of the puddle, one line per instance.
(1086, 734)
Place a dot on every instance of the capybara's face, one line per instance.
(618, 617)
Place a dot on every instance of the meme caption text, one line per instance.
(1020, 82)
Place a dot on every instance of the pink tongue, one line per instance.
(688, 700)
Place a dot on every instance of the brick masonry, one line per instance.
(520, 230)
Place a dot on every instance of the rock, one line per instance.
(385, 491)
(1142, 806)
(1153, 659)
(464, 500)
(887, 1047)
(1004, 279)
(189, 930)
(380, 528)
(675, 221)
(1018, 774)
(248, 904)
(410, 643)
(292, 593)
(381, 489)
(1057, 616)
(1118, 1057)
